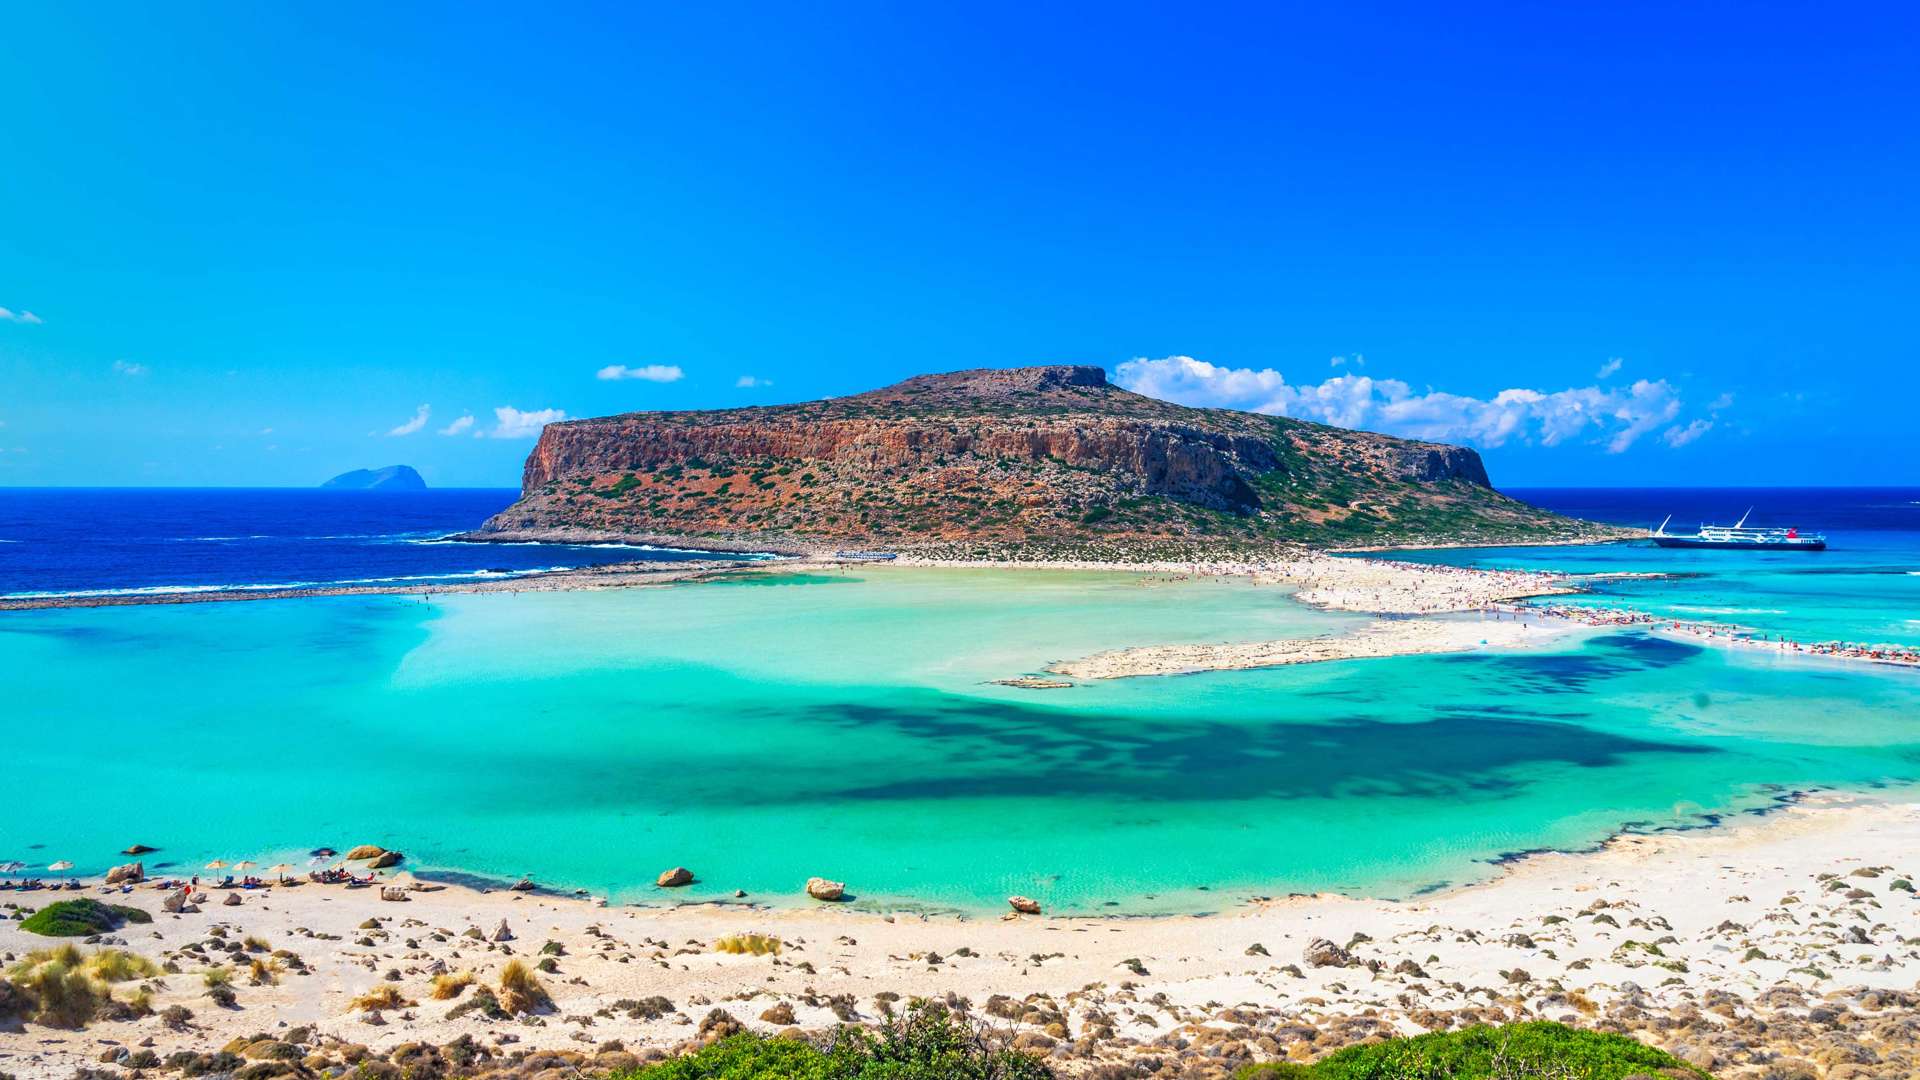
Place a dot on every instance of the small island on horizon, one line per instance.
(387, 478)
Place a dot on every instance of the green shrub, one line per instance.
(743, 1057)
(926, 1044)
(81, 918)
(1539, 1048)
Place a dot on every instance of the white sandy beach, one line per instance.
(1789, 935)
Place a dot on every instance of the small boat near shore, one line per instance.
(1738, 537)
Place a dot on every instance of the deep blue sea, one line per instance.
(118, 540)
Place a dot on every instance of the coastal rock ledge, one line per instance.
(999, 457)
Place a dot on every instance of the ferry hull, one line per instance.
(1741, 545)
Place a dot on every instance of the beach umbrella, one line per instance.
(279, 870)
(61, 865)
(317, 861)
(245, 864)
(12, 867)
(217, 864)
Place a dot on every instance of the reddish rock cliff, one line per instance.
(1042, 455)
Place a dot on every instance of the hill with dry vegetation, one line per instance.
(1027, 462)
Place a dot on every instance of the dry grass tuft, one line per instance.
(64, 987)
(749, 945)
(447, 987)
(520, 990)
(380, 997)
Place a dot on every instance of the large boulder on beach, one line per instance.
(130, 874)
(365, 851)
(395, 894)
(821, 889)
(676, 877)
(1025, 905)
(1323, 953)
(232, 900)
(503, 933)
(385, 859)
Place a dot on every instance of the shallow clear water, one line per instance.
(842, 724)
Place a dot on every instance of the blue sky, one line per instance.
(245, 244)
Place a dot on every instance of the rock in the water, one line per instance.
(385, 859)
(131, 874)
(1323, 953)
(503, 934)
(365, 851)
(138, 849)
(1025, 905)
(821, 889)
(676, 877)
(232, 900)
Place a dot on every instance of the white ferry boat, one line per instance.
(1737, 537)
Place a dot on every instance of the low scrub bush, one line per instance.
(1537, 1050)
(81, 918)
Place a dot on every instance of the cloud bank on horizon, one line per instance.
(1616, 416)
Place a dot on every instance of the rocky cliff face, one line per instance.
(1020, 456)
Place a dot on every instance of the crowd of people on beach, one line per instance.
(36, 884)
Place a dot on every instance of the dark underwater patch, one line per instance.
(1003, 750)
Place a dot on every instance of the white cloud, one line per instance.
(1678, 436)
(751, 382)
(511, 423)
(128, 367)
(1341, 361)
(266, 431)
(1724, 401)
(419, 421)
(1617, 416)
(27, 317)
(660, 373)
(1610, 368)
(464, 423)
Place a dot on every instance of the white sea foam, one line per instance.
(173, 590)
(604, 546)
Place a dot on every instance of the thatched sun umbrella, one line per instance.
(279, 870)
(217, 864)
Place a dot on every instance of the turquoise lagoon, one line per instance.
(764, 730)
